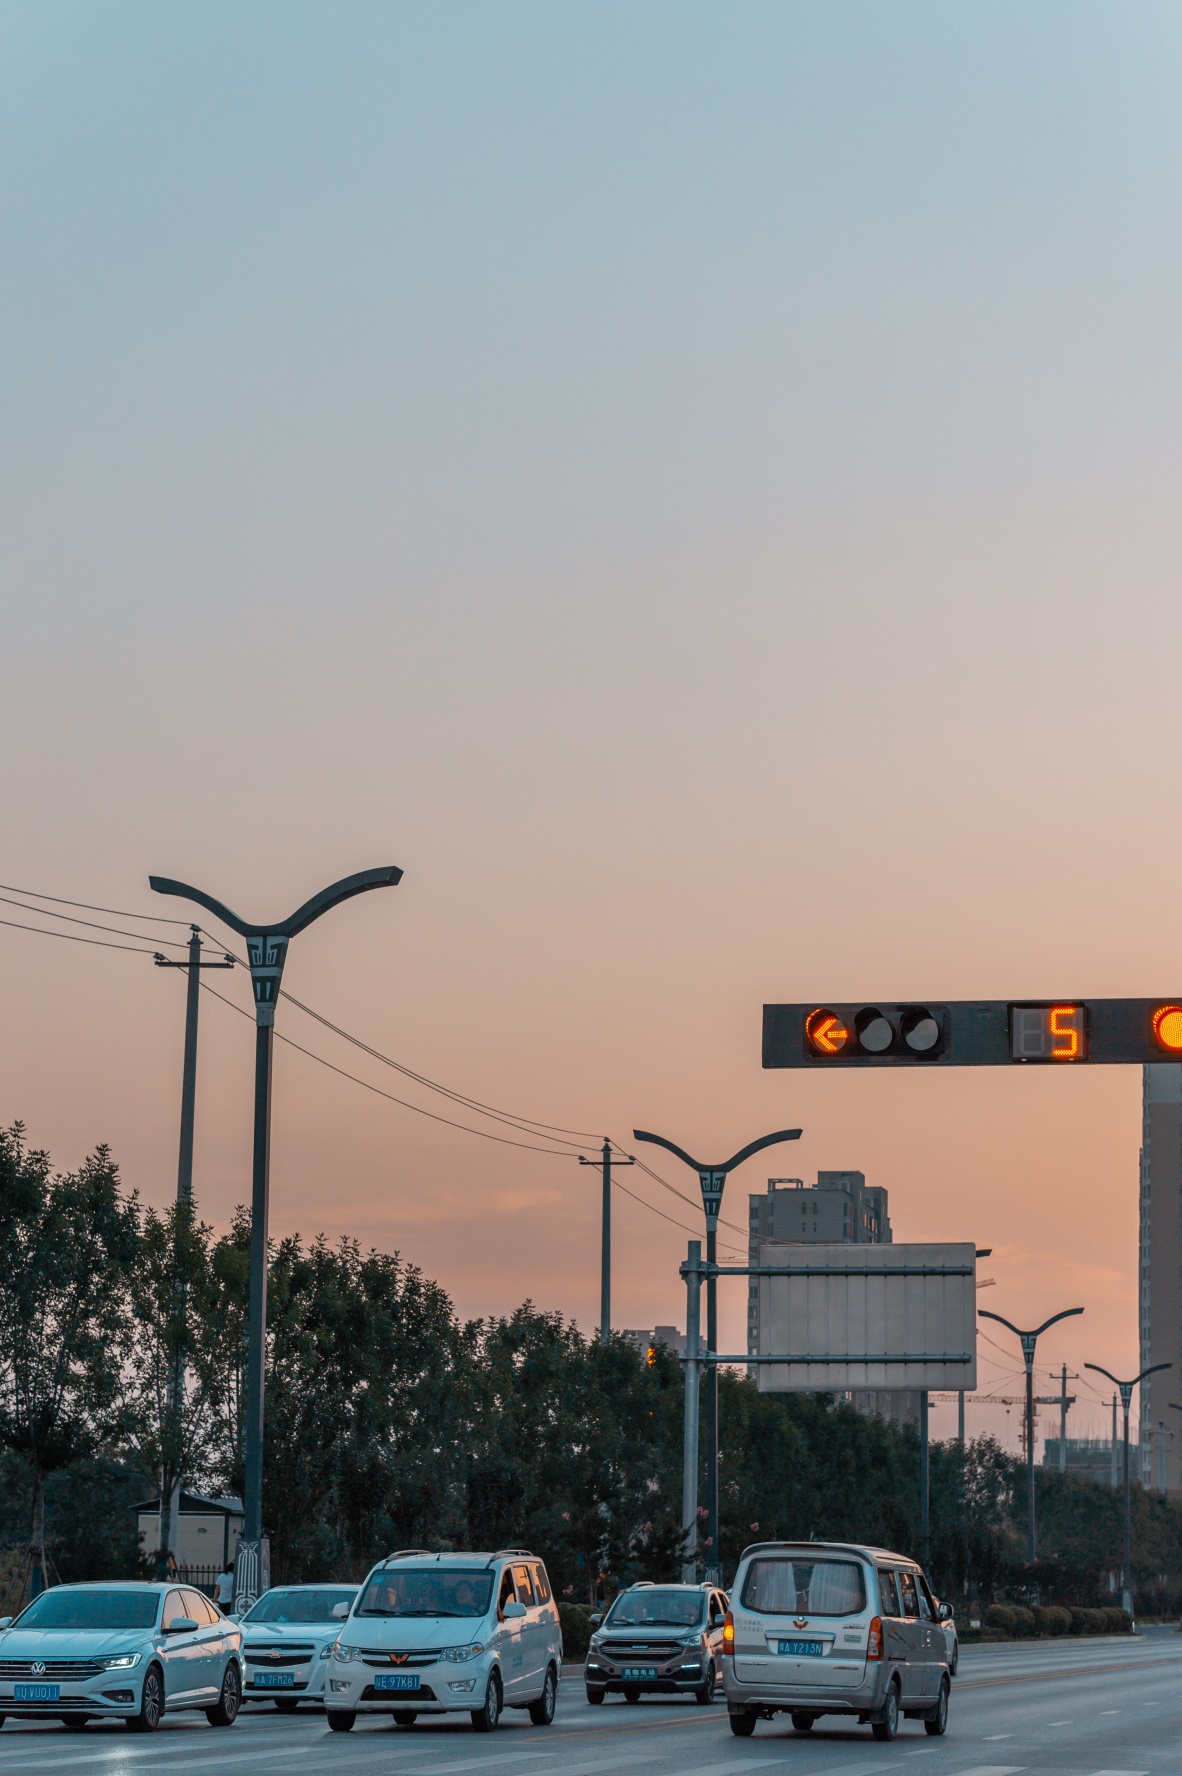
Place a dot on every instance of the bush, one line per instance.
(1052, 1619)
(1001, 1617)
(576, 1630)
(1116, 1620)
(1088, 1621)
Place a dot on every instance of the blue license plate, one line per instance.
(36, 1692)
(802, 1649)
(639, 1673)
(274, 1680)
(396, 1680)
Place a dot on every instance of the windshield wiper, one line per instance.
(430, 1612)
(377, 1612)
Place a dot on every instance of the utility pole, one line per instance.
(691, 1270)
(266, 948)
(712, 1179)
(1029, 1340)
(1126, 1395)
(170, 1508)
(605, 1239)
(1114, 1465)
(1063, 1423)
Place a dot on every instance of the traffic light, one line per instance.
(973, 1033)
(651, 1356)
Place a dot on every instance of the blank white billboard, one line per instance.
(867, 1303)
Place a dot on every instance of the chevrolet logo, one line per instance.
(274, 1653)
(398, 1658)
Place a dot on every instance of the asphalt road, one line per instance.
(1083, 1708)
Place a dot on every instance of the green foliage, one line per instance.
(576, 1630)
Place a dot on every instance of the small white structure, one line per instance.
(207, 1533)
(867, 1303)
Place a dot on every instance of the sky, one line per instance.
(693, 485)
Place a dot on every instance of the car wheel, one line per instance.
(887, 1725)
(704, 1694)
(74, 1723)
(151, 1707)
(341, 1720)
(804, 1723)
(485, 1719)
(286, 1704)
(405, 1717)
(541, 1712)
(743, 1723)
(955, 1660)
(594, 1696)
(937, 1722)
(225, 1710)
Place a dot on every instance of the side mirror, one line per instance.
(512, 1610)
(180, 1625)
(945, 1612)
(5, 1621)
(340, 1611)
(595, 1618)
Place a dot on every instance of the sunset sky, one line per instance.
(697, 487)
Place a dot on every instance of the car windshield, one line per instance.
(656, 1609)
(427, 1591)
(804, 1587)
(65, 1607)
(299, 1606)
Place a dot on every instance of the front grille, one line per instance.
(400, 1698)
(267, 1661)
(635, 1649)
(50, 1668)
(421, 1656)
(63, 1707)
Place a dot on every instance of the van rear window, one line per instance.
(804, 1587)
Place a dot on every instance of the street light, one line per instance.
(1126, 1395)
(266, 948)
(1029, 1340)
(712, 1179)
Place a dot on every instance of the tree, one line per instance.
(67, 1241)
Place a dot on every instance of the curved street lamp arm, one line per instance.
(387, 877)
(1065, 1315)
(755, 1146)
(983, 1313)
(165, 885)
(670, 1147)
(1101, 1371)
(1152, 1371)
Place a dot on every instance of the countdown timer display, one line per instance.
(1049, 1032)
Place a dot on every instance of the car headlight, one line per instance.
(343, 1653)
(326, 1650)
(121, 1662)
(596, 1638)
(458, 1654)
(689, 1640)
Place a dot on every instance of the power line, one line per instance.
(673, 1191)
(116, 912)
(70, 937)
(175, 943)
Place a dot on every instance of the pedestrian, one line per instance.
(223, 1590)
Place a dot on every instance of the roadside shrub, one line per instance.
(1088, 1621)
(1000, 1617)
(576, 1630)
(1024, 1623)
(1116, 1620)
(1051, 1618)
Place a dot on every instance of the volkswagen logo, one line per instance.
(38, 1667)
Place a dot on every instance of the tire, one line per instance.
(594, 1696)
(937, 1724)
(151, 1709)
(632, 1695)
(405, 1717)
(955, 1660)
(888, 1725)
(225, 1710)
(743, 1724)
(340, 1720)
(541, 1712)
(484, 1719)
(804, 1723)
(286, 1704)
(704, 1694)
(74, 1723)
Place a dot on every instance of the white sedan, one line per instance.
(286, 1638)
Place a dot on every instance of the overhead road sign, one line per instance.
(972, 1033)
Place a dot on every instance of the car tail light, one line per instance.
(728, 1633)
(874, 1639)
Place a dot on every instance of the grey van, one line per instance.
(832, 1628)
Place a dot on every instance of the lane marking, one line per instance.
(1058, 1723)
(1110, 1711)
(989, 1683)
(989, 1736)
(115, 1752)
(993, 1770)
(1120, 1773)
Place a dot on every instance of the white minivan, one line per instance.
(832, 1628)
(448, 1634)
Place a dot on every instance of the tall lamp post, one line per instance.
(266, 948)
(1126, 1395)
(1029, 1340)
(712, 1179)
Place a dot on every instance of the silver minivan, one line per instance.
(832, 1628)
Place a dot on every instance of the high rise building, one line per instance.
(839, 1209)
(1160, 1274)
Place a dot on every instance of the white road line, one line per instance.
(993, 1770)
(1058, 1723)
(115, 1753)
(1110, 1711)
(989, 1737)
(1120, 1773)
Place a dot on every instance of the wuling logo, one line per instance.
(399, 1658)
(800, 1621)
